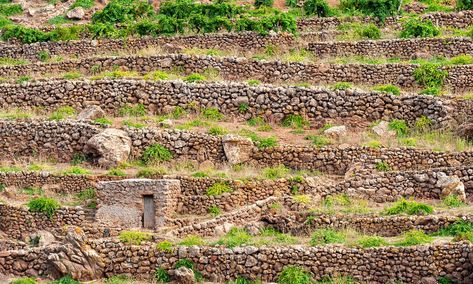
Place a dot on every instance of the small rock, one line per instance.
(382, 130)
(76, 14)
(91, 113)
(336, 131)
(167, 123)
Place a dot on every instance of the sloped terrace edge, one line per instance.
(240, 69)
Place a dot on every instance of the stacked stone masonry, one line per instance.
(376, 265)
(271, 102)
(238, 69)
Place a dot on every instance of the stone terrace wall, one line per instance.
(459, 20)
(402, 48)
(63, 139)
(297, 223)
(17, 221)
(271, 102)
(239, 69)
(85, 48)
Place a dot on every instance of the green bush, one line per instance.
(44, 205)
(66, 280)
(452, 201)
(415, 27)
(371, 241)
(24, 281)
(380, 9)
(414, 237)
(389, 89)
(156, 153)
(430, 75)
(214, 210)
(294, 275)
(457, 228)
(234, 238)
(295, 121)
(86, 4)
(316, 7)
(400, 126)
(194, 77)
(218, 188)
(410, 207)
(62, 113)
(212, 113)
(465, 4)
(120, 11)
(161, 275)
(10, 9)
(192, 240)
(166, 246)
(342, 86)
(266, 3)
(318, 141)
(382, 166)
(275, 172)
(326, 236)
(431, 91)
(370, 31)
(134, 237)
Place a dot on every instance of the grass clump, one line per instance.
(295, 121)
(86, 4)
(235, 237)
(414, 237)
(294, 275)
(156, 153)
(400, 126)
(318, 140)
(24, 281)
(219, 188)
(156, 76)
(192, 240)
(136, 111)
(326, 236)
(452, 201)
(76, 171)
(62, 113)
(342, 86)
(457, 228)
(217, 131)
(165, 246)
(214, 210)
(116, 172)
(261, 142)
(382, 166)
(409, 207)
(371, 241)
(388, 89)
(302, 199)
(161, 275)
(44, 205)
(212, 114)
(134, 237)
(195, 77)
(149, 172)
(275, 172)
(103, 121)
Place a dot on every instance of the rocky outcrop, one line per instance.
(110, 147)
(451, 185)
(237, 149)
(76, 258)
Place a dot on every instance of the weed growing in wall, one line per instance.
(156, 153)
(44, 205)
(294, 275)
(219, 188)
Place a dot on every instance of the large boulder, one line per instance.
(91, 113)
(382, 130)
(110, 147)
(237, 149)
(336, 131)
(451, 185)
(75, 258)
(76, 14)
(184, 275)
(465, 130)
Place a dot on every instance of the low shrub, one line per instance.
(235, 237)
(302, 199)
(116, 172)
(166, 246)
(86, 4)
(342, 86)
(156, 153)
(149, 172)
(161, 275)
(134, 237)
(369, 31)
(275, 172)
(295, 121)
(409, 207)
(380, 9)
(400, 126)
(414, 237)
(103, 121)
(195, 77)
(371, 241)
(431, 91)
(136, 111)
(294, 275)
(266, 3)
(214, 210)
(192, 240)
(212, 114)
(44, 205)
(318, 140)
(389, 89)
(457, 228)
(326, 236)
(76, 171)
(316, 7)
(415, 27)
(452, 201)
(24, 281)
(62, 113)
(382, 166)
(464, 4)
(217, 130)
(430, 75)
(218, 188)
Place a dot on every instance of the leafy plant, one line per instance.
(369, 31)
(156, 153)
(66, 280)
(452, 201)
(459, 227)
(302, 199)
(217, 130)
(161, 275)
(165, 246)
(86, 4)
(326, 236)
(371, 241)
(295, 121)
(62, 113)
(44, 55)
(316, 7)
(76, 171)
(294, 275)
(194, 77)
(234, 238)
(136, 111)
(134, 237)
(24, 281)
(409, 207)
(214, 210)
(212, 114)
(103, 121)
(275, 172)
(267, 3)
(389, 89)
(189, 264)
(218, 188)
(380, 9)
(400, 126)
(43, 204)
(464, 4)
(430, 75)
(342, 86)
(414, 237)
(192, 240)
(415, 27)
(318, 141)
(382, 166)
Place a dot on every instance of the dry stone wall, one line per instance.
(304, 223)
(399, 48)
(271, 102)
(460, 20)
(238, 69)
(17, 221)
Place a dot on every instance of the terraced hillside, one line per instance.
(236, 142)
